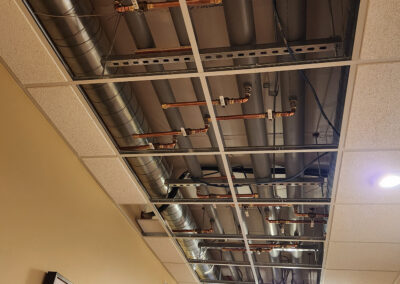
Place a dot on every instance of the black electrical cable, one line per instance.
(302, 73)
(301, 172)
(171, 194)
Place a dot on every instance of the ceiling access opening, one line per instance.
(239, 159)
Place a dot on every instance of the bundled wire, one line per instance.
(302, 73)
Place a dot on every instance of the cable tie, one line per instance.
(222, 101)
(269, 114)
(183, 131)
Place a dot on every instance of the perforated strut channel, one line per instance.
(245, 181)
(314, 46)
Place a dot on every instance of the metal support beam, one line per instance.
(245, 181)
(258, 264)
(230, 201)
(234, 151)
(265, 50)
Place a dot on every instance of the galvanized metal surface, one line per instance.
(314, 46)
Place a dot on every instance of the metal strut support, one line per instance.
(183, 54)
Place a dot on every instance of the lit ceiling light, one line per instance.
(389, 181)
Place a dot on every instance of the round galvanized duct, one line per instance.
(82, 43)
(241, 30)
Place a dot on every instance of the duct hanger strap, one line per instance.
(245, 181)
(183, 54)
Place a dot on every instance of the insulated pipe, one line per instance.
(241, 31)
(183, 38)
(293, 19)
(82, 43)
(140, 31)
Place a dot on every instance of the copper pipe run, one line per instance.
(220, 196)
(287, 113)
(151, 146)
(227, 101)
(205, 231)
(144, 6)
(270, 115)
(311, 215)
(182, 132)
(221, 101)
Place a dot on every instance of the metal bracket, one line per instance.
(266, 50)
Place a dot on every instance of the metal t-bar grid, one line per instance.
(242, 150)
(205, 87)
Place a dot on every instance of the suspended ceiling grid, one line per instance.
(363, 142)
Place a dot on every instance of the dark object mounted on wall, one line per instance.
(55, 278)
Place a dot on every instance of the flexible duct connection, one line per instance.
(145, 6)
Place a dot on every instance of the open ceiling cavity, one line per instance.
(237, 163)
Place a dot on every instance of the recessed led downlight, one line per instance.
(389, 181)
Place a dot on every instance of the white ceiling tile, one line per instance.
(150, 225)
(116, 180)
(358, 277)
(374, 115)
(366, 223)
(382, 30)
(359, 177)
(164, 249)
(63, 106)
(363, 256)
(22, 49)
(180, 272)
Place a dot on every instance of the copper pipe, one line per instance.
(259, 115)
(311, 215)
(219, 196)
(188, 131)
(240, 116)
(287, 113)
(228, 101)
(313, 221)
(162, 50)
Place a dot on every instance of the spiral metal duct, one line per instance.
(140, 31)
(291, 13)
(82, 43)
(241, 30)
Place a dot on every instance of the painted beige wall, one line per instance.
(53, 215)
